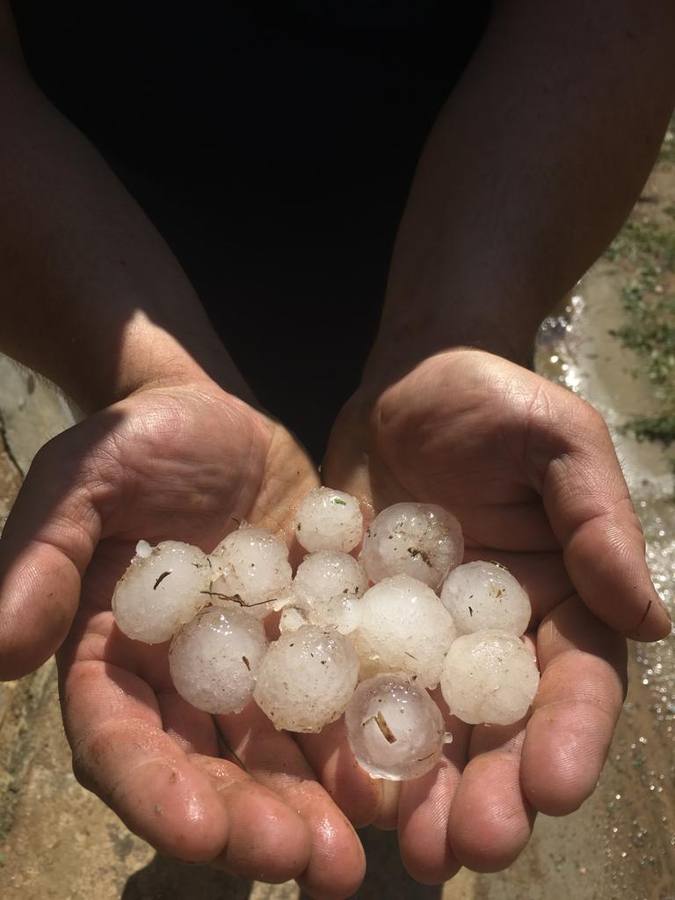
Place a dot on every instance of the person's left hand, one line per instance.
(530, 471)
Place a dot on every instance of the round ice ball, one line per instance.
(161, 590)
(480, 595)
(214, 659)
(394, 728)
(328, 520)
(253, 569)
(417, 539)
(327, 575)
(404, 627)
(342, 613)
(489, 676)
(306, 679)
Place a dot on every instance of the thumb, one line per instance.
(46, 545)
(590, 510)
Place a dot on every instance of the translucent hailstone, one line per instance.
(404, 627)
(489, 676)
(417, 539)
(161, 590)
(214, 659)
(306, 679)
(291, 619)
(328, 520)
(395, 729)
(328, 584)
(480, 595)
(254, 570)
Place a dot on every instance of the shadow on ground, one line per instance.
(164, 878)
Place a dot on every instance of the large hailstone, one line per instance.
(214, 659)
(306, 679)
(417, 539)
(329, 585)
(162, 589)
(253, 569)
(394, 728)
(328, 520)
(489, 676)
(404, 627)
(480, 595)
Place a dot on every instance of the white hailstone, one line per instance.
(394, 728)
(328, 585)
(161, 591)
(342, 613)
(404, 627)
(291, 619)
(214, 659)
(417, 539)
(306, 679)
(489, 676)
(328, 520)
(253, 570)
(480, 595)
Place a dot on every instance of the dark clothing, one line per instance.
(272, 143)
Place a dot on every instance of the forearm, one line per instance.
(532, 166)
(92, 297)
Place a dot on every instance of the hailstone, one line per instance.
(482, 595)
(328, 520)
(161, 590)
(394, 728)
(328, 585)
(253, 569)
(306, 679)
(489, 676)
(291, 619)
(417, 539)
(404, 627)
(214, 659)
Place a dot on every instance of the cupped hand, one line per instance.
(530, 471)
(181, 462)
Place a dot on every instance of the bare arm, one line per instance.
(532, 166)
(92, 296)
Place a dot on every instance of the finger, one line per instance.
(490, 820)
(193, 730)
(47, 543)
(357, 794)
(589, 506)
(337, 864)
(122, 754)
(576, 708)
(424, 811)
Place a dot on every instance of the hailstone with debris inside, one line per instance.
(395, 729)
(489, 676)
(306, 679)
(163, 588)
(404, 627)
(214, 659)
(421, 540)
(328, 520)
(480, 595)
(252, 570)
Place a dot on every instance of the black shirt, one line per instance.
(272, 143)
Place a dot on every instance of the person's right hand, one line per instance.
(173, 462)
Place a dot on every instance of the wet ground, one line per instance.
(57, 841)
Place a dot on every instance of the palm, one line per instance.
(181, 463)
(483, 438)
